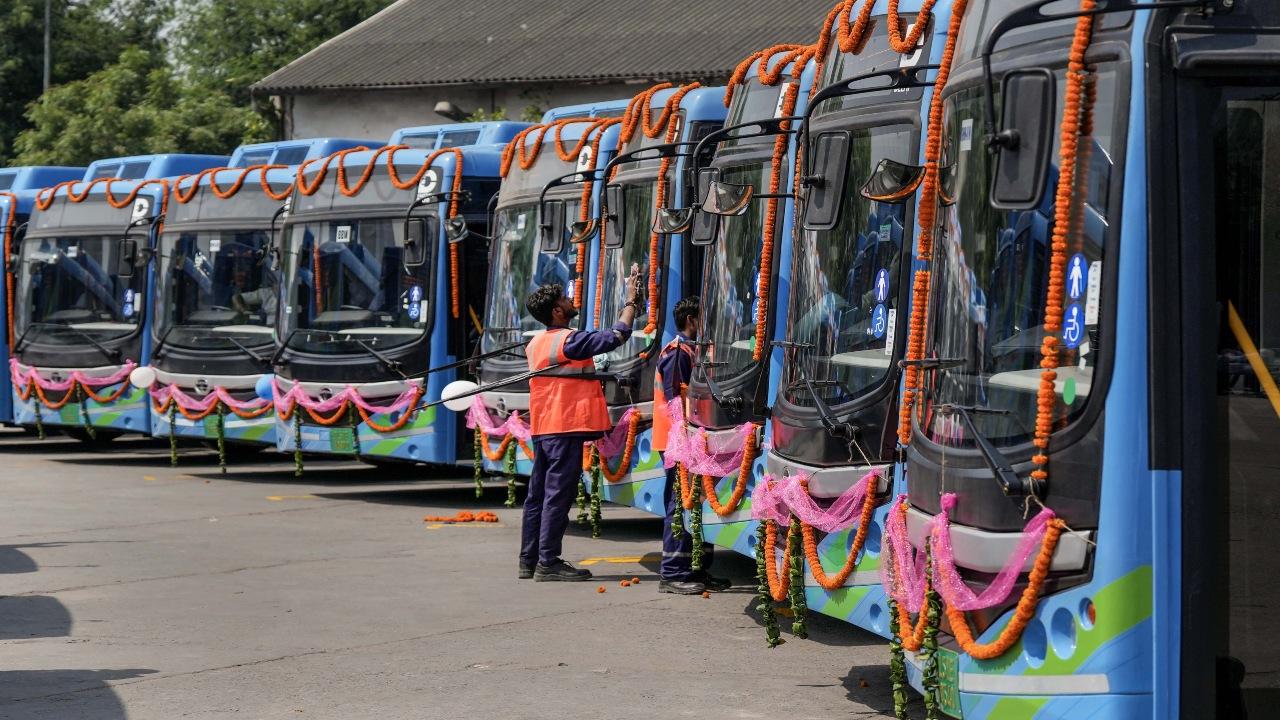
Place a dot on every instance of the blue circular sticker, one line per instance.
(1077, 276)
(882, 285)
(415, 310)
(415, 293)
(879, 321)
(1073, 326)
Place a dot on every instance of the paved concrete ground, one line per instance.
(130, 589)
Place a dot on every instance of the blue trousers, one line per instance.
(677, 553)
(557, 472)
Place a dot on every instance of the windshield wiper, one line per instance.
(842, 430)
(1006, 477)
(933, 363)
(732, 403)
(155, 351)
(505, 350)
(263, 361)
(112, 354)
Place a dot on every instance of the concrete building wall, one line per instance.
(376, 114)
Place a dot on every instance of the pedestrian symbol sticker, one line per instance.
(1077, 276)
(1073, 326)
(415, 293)
(879, 321)
(882, 285)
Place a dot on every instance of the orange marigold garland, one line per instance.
(832, 583)
(749, 455)
(926, 212)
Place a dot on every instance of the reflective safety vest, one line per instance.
(559, 402)
(661, 417)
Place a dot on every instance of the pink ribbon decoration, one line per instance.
(478, 417)
(902, 566)
(946, 576)
(161, 395)
(285, 401)
(778, 499)
(614, 441)
(703, 454)
(31, 374)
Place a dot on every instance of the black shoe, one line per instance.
(526, 571)
(681, 587)
(560, 572)
(713, 583)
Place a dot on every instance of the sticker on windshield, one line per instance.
(879, 321)
(1073, 326)
(1095, 293)
(127, 310)
(893, 328)
(415, 309)
(520, 221)
(882, 285)
(415, 294)
(886, 232)
(782, 99)
(430, 181)
(343, 235)
(215, 245)
(1077, 276)
(966, 135)
(73, 251)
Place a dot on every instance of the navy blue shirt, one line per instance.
(586, 344)
(675, 367)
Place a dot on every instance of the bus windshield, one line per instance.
(215, 285)
(732, 278)
(990, 272)
(844, 282)
(68, 289)
(347, 281)
(637, 214)
(518, 268)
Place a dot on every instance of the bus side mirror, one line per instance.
(456, 230)
(705, 225)
(828, 158)
(418, 233)
(671, 221)
(551, 226)
(1024, 141)
(615, 211)
(126, 257)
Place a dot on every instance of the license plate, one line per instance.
(342, 440)
(949, 682)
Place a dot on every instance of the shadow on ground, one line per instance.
(33, 616)
(80, 694)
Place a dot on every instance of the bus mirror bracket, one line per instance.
(126, 256)
(417, 234)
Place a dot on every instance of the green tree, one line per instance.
(86, 37)
(228, 46)
(135, 106)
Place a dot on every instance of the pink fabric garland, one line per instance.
(162, 394)
(285, 401)
(31, 374)
(902, 566)
(615, 440)
(478, 417)
(777, 499)
(702, 454)
(946, 575)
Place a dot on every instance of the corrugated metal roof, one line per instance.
(424, 43)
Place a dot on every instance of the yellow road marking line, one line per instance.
(437, 526)
(628, 560)
(277, 498)
(149, 478)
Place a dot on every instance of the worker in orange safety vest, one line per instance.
(674, 366)
(566, 410)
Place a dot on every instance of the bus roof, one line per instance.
(32, 177)
(435, 137)
(599, 109)
(151, 167)
(292, 152)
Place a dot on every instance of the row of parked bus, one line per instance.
(967, 270)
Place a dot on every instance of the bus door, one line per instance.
(1228, 156)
